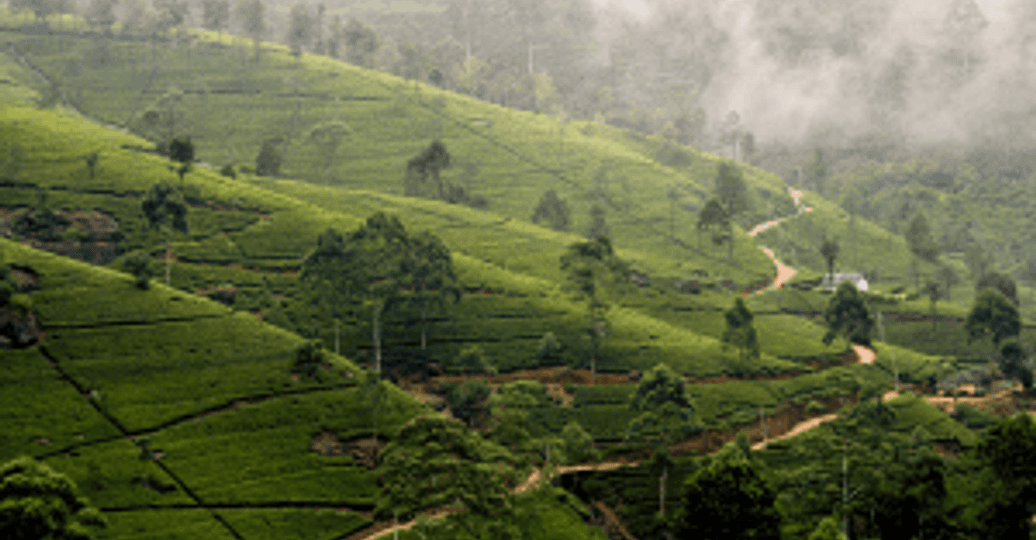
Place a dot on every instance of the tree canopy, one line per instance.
(847, 316)
(740, 332)
(36, 502)
(728, 499)
(435, 461)
(992, 316)
(553, 210)
(589, 266)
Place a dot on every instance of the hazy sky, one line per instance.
(774, 100)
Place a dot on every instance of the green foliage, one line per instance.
(435, 461)
(1010, 449)
(598, 227)
(814, 407)
(469, 401)
(164, 205)
(992, 316)
(472, 359)
(228, 171)
(37, 502)
(328, 136)
(181, 149)
(847, 316)
(268, 162)
(1013, 361)
(552, 210)
(731, 190)
(829, 250)
(430, 162)
(577, 446)
(663, 408)
(309, 358)
(998, 282)
(549, 351)
(828, 529)
(728, 499)
(139, 265)
(740, 332)
(919, 237)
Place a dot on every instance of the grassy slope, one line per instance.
(44, 133)
(517, 156)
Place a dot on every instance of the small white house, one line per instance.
(830, 283)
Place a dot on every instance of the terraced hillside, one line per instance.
(508, 156)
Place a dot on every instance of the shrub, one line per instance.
(139, 266)
(549, 350)
(309, 357)
(980, 392)
(473, 360)
(228, 171)
(814, 407)
(268, 162)
(223, 294)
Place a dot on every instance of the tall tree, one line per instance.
(978, 261)
(589, 267)
(215, 15)
(435, 461)
(328, 136)
(172, 14)
(371, 264)
(847, 316)
(729, 498)
(431, 161)
(165, 208)
(992, 316)
(1004, 284)
(361, 43)
(36, 502)
(252, 19)
(1014, 362)
(732, 193)
(713, 215)
(1009, 449)
(553, 210)
(934, 293)
(300, 29)
(181, 150)
(922, 244)
(434, 280)
(662, 414)
(740, 333)
(598, 227)
(817, 171)
(948, 276)
(335, 37)
(101, 14)
(829, 250)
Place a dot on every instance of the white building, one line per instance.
(830, 283)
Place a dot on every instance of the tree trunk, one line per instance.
(168, 259)
(661, 489)
(377, 336)
(424, 317)
(438, 183)
(593, 346)
(730, 242)
(917, 277)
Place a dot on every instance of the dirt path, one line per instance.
(799, 428)
(784, 272)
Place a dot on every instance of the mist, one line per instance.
(833, 71)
